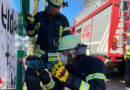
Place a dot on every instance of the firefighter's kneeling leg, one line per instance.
(127, 76)
(32, 80)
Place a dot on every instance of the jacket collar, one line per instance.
(48, 15)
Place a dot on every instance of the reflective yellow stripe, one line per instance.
(37, 47)
(31, 19)
(81, 86)
(53, 59)
(127, 49)
(127, 53)
(127, 46)
(95, 76)
(128, 34)
(84, 86)
(38, 55)
(60, 32)
(58, 53)
(127, 88)
(40, 51)
(37, 72)
(52, 54)
(37, 26)
(66, 28)
(50, 85)
(31, 32)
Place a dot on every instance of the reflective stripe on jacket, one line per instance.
(49, 33)
(87, 73)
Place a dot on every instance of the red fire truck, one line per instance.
(103, 25)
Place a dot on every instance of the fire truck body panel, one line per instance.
(103, 30)
(95, 32)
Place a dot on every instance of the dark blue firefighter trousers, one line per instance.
(32, 80)
(127, 75)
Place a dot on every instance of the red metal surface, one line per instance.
(113, 24)
(115, 20)
(113, 59)
(95, 12)
(100, 57)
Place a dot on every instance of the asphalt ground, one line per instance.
(115, 80)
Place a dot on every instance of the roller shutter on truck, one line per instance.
(103, 27)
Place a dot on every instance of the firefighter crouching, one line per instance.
(127, 75)
(75, 70)
(49, 26)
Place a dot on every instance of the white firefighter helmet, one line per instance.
(56, 2)
(69, 42)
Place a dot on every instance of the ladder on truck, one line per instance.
(125, 9)
(125, 21)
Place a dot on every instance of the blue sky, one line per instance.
(74, 8)
(70, 12)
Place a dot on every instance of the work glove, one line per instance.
(31, 57)
(32, 61)
(32, 25)
(45, 78)
(30, 18)
(59, 71)
(43, 75)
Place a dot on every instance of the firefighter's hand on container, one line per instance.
(43, 75)
(32, 29)
(32, 57)
(32, 61)
(59, 71)
(30, 18)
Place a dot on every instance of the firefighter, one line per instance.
(76, 70)
(127, 75)
(49, 26)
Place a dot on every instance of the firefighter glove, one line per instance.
(32, 29)
(32, 57)
(30, 18)
(44, 76)
(59, 71)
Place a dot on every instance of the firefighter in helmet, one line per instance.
(76, 70)
(49, 26)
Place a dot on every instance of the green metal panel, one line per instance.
(22, 16)
(21, 53)
(19, 75)
(25, 9)
(20, 24)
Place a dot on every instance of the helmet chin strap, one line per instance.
(70, 58)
